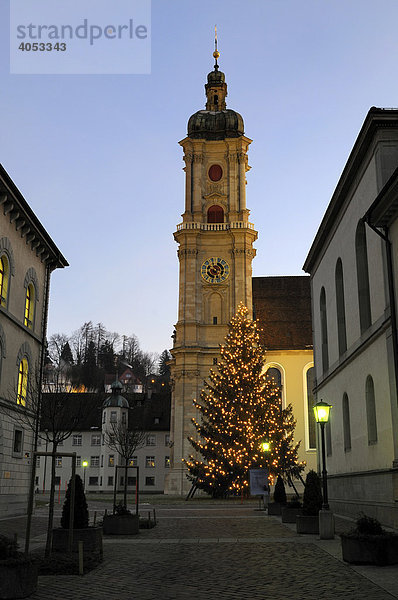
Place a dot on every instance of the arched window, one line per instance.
(215, 309)
(22, 388)
(215, 214)
(346, 424)
(4, 279)
(29, 306)
(371, 410)
(324, 331)
(310, 376)
(340, 306)
(274, 374)
(365, 317)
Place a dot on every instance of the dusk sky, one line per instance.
(97, 156)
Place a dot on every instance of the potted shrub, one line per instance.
(308, 522)
(291, 510)
(122, 522)
(18, 574)
(369, 543)
(90, 536)
(275, 507)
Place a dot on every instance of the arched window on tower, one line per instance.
(215, 214)
(22, 388)
(29, 306)
(365, 317)
(340, 306)
(346, 424)
(215, 309)
(371, 410)
(4, 279)
(324, 331)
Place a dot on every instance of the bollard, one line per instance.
(95, 518)
(154, 516)
(81, 562)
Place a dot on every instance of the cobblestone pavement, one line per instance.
(214, 553)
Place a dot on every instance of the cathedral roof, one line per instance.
(215, 125)
(282, 306)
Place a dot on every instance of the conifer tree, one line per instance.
(240, 409)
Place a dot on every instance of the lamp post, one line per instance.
(266, 447)
(84, 465)
(326, 524)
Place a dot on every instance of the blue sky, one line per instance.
(97, 158)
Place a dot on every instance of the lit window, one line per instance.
(58, 461)
(29, 306)
(273, 374)
(151, 440)
(96, 439)
(150, 462)
(111, 460)
(167, 462)
(94, 461)
(4, 277)
(149, 481)
(77, 439)
(310, 404)
(133, 461)
(22, 382)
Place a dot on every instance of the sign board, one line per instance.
(259, 485)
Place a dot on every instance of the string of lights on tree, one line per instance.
(240, 409)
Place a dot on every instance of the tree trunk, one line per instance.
(125, 484)
(51, 504)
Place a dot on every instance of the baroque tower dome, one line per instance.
(216, 122)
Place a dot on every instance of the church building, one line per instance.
(215, 251)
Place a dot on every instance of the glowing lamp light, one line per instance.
(266, 446)
(85, 463)
(321, 412)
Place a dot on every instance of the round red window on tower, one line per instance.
(215, 172)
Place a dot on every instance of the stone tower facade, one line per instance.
(215, 252)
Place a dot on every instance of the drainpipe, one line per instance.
(393, 312)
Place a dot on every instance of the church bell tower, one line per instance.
(215, 253)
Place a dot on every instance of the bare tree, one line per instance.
(125, 441)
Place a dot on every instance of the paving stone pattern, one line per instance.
(210, 554)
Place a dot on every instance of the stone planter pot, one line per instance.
(370, 550)
(275, 508)
(121, 524)
(307, 524)
(17, 580)
(90, 536)
(289, 514)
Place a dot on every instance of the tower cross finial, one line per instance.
(216, 53)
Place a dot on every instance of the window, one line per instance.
(93, 481)
(150, 462)
(340, 307)
(17, 444)
(122, 480)
(124, 418)
(113, 416)
(110, 480)
(94, 461)
(324, 331)
(156, 420)
(310, 404)
(96, 439)
(4, 279)
(214, 320)
(29, 306)
(102, 460)
(151, 440)
(78, 461)
(61, 443)
(58, 461)
(167, 462)
(103, 439)
(149, 481)
(215, 214)
(104, 417)
(22, 382)
(133, 461)
(167, 439)
(214, 361)
(77, 439)
(38, 461)
(131, 480)
(365, 317)
(371, 410)
(346, 424)
(57, 480)
(111, 460)
(274, 374)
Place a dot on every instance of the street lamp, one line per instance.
(326, 525)
(266, 447)
(84, 465)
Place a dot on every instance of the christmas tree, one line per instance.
(240, 409)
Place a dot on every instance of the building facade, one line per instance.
(27, 258)
(354, 331)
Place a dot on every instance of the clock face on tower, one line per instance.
(215, 270)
